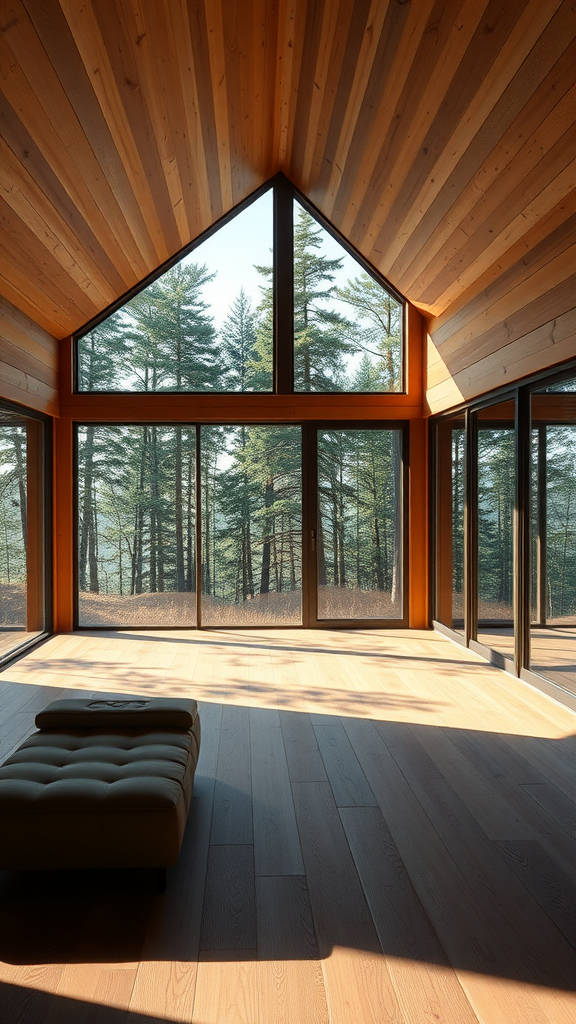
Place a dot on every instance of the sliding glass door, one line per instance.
(182, 526)
(359, 536)
(251, 496)
(23, 613)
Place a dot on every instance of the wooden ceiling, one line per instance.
(437, 135)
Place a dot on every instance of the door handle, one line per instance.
(313, 539)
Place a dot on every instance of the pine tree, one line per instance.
(321, 335)
(376, 332)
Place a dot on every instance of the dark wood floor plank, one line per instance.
(556, 804)
(509, 909)
(341, 914)
(304, 760)
(276, 841)
(284, 919)
(554, 891)
(498, 818)
(460, 909)
(229, 917)
(232, 814)
(346, 777)
(492, 757)
(550, 758)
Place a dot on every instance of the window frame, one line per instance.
(284, 195)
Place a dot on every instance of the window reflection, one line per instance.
(553, 533)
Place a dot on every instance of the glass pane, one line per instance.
(347, 327)
(251, 526)
(205, 325)
(496, 503)
(21, 531)
(450, 498)
(136, 516)
(553, 533)
(359, 540)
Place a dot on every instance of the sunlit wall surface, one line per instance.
(136, 525)
(251, 479)
(553, 533)
(359, 540)
(22, 608)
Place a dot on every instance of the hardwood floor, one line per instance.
(383, 829)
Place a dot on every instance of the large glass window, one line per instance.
(553, 533)
(450, 522)
(251, 478)
(347, 326)
(204, 325)
(270, 300)
(359, 537)
(515, 532)
(22, 530)
(136, 525)
(184, 525)
(495, 526)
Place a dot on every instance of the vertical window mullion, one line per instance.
(283, 263)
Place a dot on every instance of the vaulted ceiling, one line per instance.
(437, 135)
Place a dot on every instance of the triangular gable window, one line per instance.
(270, 300)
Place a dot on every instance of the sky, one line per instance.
(244, 241)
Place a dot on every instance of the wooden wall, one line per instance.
(28, 361)
(507, 325)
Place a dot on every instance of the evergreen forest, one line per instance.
(165, 338)
(13, 516)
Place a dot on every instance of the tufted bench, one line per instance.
(103, 783)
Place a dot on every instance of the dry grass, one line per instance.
(177, 609)
(13, 604)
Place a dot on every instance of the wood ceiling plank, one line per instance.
(317, 18)
(207, 110)
(543, 157)
(47, 115)
(14, 289)
(216, 51)
(31, 206)
(563, 187)
(335, 23)
(197, 190)
(527, 263)
(22, 360)
(397, 47)
(22, 252)
(529, 299)
(291, 30)
(84, 23)
(543, 78)
(492, 61)
(510, 360)
(262, 123)
(34, 163)
(361, 48)
(551, 231)
(445, 40)
(155, 58)
(56, 38)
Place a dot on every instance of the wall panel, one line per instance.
(28, 361)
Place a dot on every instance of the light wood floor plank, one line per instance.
(441, 889)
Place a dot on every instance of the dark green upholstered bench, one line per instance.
(101, 784)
